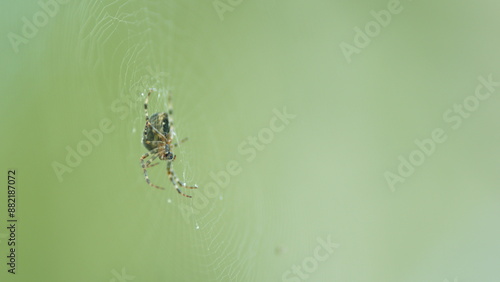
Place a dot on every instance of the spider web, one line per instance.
(130, 47)
(95, 59)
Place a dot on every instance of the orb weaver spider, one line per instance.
(157, 139)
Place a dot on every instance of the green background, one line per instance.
(321, 177)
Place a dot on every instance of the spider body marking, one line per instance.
(157, 139)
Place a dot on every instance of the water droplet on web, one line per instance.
(197, 226)
(169, 201)
(221, 197)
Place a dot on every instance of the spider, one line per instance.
(157, 138)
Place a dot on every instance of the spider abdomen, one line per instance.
(161, 126)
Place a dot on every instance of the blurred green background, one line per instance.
(70, 70)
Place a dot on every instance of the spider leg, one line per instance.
(175, 180)
(148, 163)
(144, 167)
(156, 130)
(154, 142)
(148, 123)
(155, 164)
(169, 103)
(182, 141)
(146, 105)
(170, 112)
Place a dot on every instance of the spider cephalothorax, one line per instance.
(157, 139)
